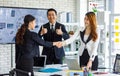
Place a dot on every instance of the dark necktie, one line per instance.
(52, 28)
(52, 33)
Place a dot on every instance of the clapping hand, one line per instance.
(59, 31)
(43, 31)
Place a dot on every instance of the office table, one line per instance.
(58, 66)
(64, 72)
(109, 74)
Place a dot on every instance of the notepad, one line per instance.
(50, 70)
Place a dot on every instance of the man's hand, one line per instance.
(59, 31)
(43, 31)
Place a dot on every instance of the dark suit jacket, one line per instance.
(30, 47)
(59, 52)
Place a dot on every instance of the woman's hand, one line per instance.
(57, 44)
(89, 64)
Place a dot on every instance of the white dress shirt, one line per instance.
(52, 25)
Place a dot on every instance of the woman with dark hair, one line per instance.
(89, 40)
(27, 45)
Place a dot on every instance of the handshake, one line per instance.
(58, 44)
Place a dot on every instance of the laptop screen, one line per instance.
(40, 61)
(72, 64)
(116, 68)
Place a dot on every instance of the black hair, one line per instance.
(51, 9)
(28, 18)
(21, 31)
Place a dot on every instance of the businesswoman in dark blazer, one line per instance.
(27, 45)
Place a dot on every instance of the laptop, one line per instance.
(116, 68)
(39, 62)
(72, 64)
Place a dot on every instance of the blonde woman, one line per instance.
(89, 39)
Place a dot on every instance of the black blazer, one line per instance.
(59, 52)
(30, 47)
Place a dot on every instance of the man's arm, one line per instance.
(39, 33)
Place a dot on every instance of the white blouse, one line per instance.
(85, 37)
(91, 46)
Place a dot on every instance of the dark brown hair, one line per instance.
(21, 31)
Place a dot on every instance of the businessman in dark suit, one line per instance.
(53, 31)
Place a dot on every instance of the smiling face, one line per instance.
(52, 17)
(86, 21)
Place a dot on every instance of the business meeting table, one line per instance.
(65, 72)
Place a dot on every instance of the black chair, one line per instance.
(13, 73)
(6, 74)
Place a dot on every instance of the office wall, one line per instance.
(59, 5)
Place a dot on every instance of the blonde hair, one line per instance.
(93, 23)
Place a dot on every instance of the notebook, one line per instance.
(39, 62)
(72, 64)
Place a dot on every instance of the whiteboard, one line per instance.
(11, 18)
